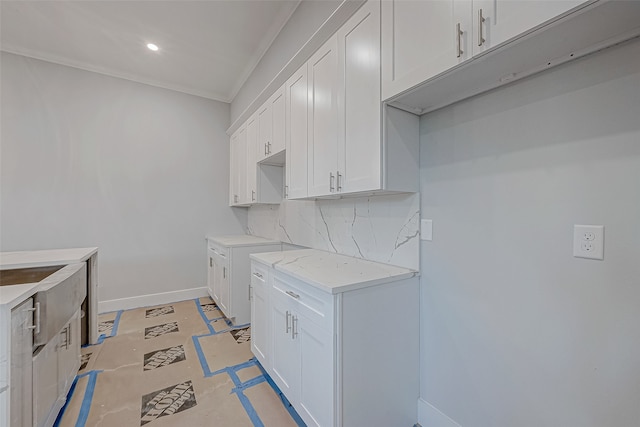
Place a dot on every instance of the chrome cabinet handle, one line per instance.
(339, 179)
(268, 147)
(294, 328)
(36, 322)
(286, 191)
(265, 149)
(224, 272)
(288, 328)
(292, 294)
(458, 40)
(210, 262)
(331, 177)
(249, 291)
(253, 195)
(258, 275)
(481, 21)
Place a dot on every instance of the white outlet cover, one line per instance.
(588, 241)
(426, 229)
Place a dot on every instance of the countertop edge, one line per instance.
(89, 252)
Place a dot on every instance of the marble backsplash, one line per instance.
(379, 228)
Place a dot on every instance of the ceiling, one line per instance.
(207, 48)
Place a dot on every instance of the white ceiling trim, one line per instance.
(108, 72)
(268, 40)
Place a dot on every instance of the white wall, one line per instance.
(304, 22)
(91, 160)
(515, 330)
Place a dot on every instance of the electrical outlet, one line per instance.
(426, 230)
(588, 241)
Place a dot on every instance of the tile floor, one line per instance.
(179, 364)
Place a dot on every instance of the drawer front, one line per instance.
(220, 250)
(313, 303)
(259, 274)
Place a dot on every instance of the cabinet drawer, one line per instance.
(259, 274)
(313, 303)
(219, 250)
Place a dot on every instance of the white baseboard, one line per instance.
(151, 299)
(430, 416)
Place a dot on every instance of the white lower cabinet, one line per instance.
(20, 374)
(337, 361)
(55, 366)
(228, 273)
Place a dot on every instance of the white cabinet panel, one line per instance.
(260, 324)
(322, 119)
(285, 356)
(316, 371)
(252, 142)
(496, 21)
(20, 375)
(271, 126)
(296, 134)
(230, 273)
(424, 38)
(325, 356)
(277, 142)
(238, 194)
(419, 40)
(360, 143)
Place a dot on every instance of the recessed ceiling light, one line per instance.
(152, 47)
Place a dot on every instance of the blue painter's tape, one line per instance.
(86, 401)
(249, 409)
(116, 323)
(296, 417)
(88, 397)
(201, 358)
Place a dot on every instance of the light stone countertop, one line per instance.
(331, 272)
(11, 296)
(26, 259)
(241, 240)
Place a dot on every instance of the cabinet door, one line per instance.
(45, 381)
(322, 122)
(238, 182)
(359, 156)
(496, 21)
(224, 286)
(296, 134)
(418, 42)
(278, 123)
(264, 131)
(316, 372)
(20, 375)
(217, 278)
(259, 318)
(285, 352)
(252, 142)
(233, 173)
(68, 354)
(210, 273)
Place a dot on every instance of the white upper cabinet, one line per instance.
(418, 39)
(322, 140)
(296, 134)
(238, 194)
(271, 127)
(423, 38)
(495, 22)
(252, 141)
(359, 121)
